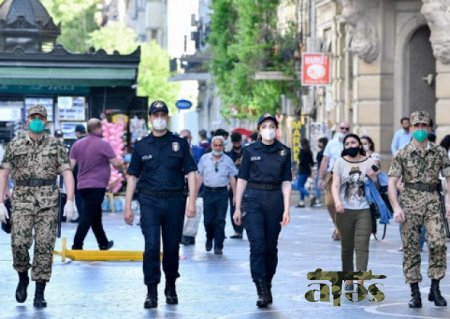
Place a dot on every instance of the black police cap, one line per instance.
(158, 106)
(267, 116)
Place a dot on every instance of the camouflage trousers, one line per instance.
(422, 208)
(44, 223)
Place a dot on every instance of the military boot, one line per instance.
(416, 301)
(152, 297)
(171, 293)
(21, 291)
(39, 301)
(261, 288)
(435, 294)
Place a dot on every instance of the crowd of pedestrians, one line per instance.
(177, 182)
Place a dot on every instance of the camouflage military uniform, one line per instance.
(422, 208)
(34, 207)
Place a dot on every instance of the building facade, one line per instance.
(389, 58)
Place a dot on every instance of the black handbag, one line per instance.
(7, 227)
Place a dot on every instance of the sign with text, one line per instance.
(315, 68)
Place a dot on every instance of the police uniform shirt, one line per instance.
(161, 163)
(216, 173)
(266, 164)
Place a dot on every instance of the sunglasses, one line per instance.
(344, 128)
(216, 166)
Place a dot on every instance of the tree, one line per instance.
(243, 39)
(154, 71)
(77, 18)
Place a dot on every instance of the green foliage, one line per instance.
(154, 73)
(77, 18)
(114, 36)
(244, 40)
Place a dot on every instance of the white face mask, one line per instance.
(366, 147)
(268, 134)
(159, 124)
(217, 153)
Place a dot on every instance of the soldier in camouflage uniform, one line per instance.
(419, 164)
(34, 160)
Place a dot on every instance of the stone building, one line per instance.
(389, 58)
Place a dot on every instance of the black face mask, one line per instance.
(352, 151)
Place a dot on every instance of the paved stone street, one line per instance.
(218, 286)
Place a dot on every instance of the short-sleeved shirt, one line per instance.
(333, 151)
(92, 155)
(352, 177)
(266, 164)
(414, 167)
(41, 159)
(161, 163)
(216, 174)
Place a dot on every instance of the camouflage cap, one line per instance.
(419, 117)
(37, 109)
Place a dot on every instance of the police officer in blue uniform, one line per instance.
(158, 167)
(262, 202)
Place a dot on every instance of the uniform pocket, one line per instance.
(175, 160)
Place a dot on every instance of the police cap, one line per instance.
(158, 106)
(419, 117)
(267, 116)
(59, 133)
(37, 109)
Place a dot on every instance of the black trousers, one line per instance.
(161, 216)
(238, 229)
(91, 217)
(215, 204)
(262, 213)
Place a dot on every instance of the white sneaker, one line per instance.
(301, 204)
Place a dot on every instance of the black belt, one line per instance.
(216, 189)
(264, 187)
(35, 182)
(424, 187)
(162, 193)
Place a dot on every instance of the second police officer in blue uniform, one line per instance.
(262, 202)
(158, 167)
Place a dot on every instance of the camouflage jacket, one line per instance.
(414, 167)
(28, 159)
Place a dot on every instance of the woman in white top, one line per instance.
(353, 216)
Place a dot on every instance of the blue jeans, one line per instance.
(316, 186)
(301, 180)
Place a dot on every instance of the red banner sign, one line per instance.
(315, 69)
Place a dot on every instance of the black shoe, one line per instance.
(208, 245)
(236, 236)
(435, 294)
(261, 288)
(187, 240)
(21, 291)
(416, 301)
(107, 246)
(151, 301)
(171, 293)
(75, 220)
(39, 301)
(218, 251)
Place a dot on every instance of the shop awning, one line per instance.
(81, 77)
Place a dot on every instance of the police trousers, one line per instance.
(262, 213)
(43, 222)
(161, 216)
(422, 208)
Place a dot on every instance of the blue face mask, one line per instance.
(36, 126)
(420, 135)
